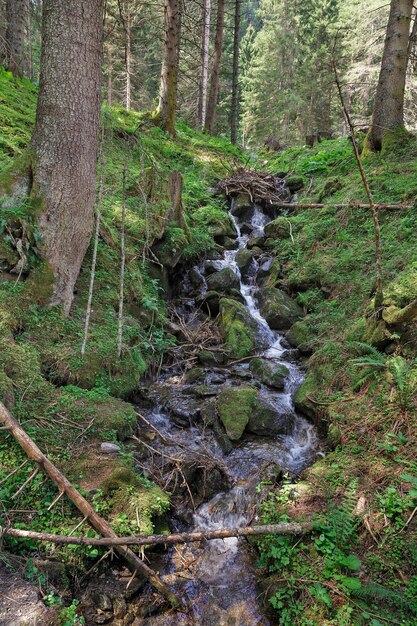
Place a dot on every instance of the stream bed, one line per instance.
(217, 578)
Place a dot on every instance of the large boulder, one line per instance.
(300, 336)
(245, 262)
(302, 401)
(170, 248)
(234, 406)
(241, 204)
(267, 419)
(238, 328)
(223, 281)
(279, 310)
(280, 228)
(269, 272)
(273, 375)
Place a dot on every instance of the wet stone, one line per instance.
(109, 448)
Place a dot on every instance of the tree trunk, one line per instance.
(169, 71)
(388, 113)
(205, 44)
(215, 70)
(66, 137)
(17, 15)
(235, 76)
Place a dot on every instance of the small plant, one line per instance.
(69, 615)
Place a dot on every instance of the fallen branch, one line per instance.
(90, 515)
(285, 528)
(349, 205)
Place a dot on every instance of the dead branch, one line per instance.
(379, 295)
(95, 520)
(285, 528)
(261, 187)
(349, 205)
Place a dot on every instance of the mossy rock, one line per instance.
(273, 277)
(209, 359)
(331, 186)
(235, 406)
(238, 328)
(39, 286)
(294, 183)
(302, 400)
(115, 418)
(300, 336)
(6, 391)
(170, 249)
(223, 281)
(280, 228)
(271, 375)
(266, 421)
(244, 259)
(279, 310)
(241, 204)
(403, 289)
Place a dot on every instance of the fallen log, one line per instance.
(285, 528)
(349, 205)
(90, 515)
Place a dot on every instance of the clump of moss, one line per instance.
(235, 409)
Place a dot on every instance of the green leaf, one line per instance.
(353, 584)
(351, 562)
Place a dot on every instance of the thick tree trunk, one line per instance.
(66, 137)
(205, 44)
(388, 114)
(17, 16)
(215, 70)
(235, 76)
(169, 71)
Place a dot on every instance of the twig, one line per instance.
(122, 269)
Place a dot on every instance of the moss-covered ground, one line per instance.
(361, 386)
(70, 403)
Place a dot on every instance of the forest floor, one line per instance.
(362, 371)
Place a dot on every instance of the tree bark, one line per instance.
(128, 59)
(17, 16)
(66, 137)
(169, 71)
(205, 44)
(284, 528)
(90, 515)
(215, 70)
(388, 113)
(235, 75)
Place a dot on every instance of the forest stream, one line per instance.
(217, 578)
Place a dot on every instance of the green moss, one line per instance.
(238, 328)
(235, 409)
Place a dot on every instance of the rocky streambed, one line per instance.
(210, 431)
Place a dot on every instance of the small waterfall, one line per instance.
(221, 585)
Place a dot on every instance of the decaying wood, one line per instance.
(350, 205)
(95, 520)
(261, 187)
(284, 528)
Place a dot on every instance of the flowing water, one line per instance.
(217, 577)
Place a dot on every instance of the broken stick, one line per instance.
(285, 528)
(95, 520)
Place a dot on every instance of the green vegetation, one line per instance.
(361, 388)
(69, 403)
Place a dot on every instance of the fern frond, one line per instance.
(383, 595)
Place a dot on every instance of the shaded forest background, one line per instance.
(285, 81)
